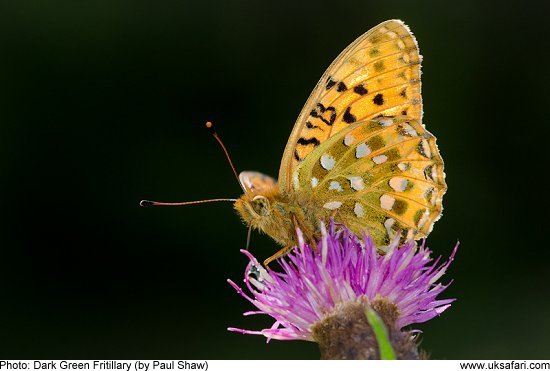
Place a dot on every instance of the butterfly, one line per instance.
(358, 152)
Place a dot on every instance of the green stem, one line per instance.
(381, 333)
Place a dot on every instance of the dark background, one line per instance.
(102, 103)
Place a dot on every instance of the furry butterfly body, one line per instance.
(358, 152)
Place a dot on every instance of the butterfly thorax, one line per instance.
(278, 214)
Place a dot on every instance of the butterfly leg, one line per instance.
(297, 223)
(279, 254)
(310, 239)
(285, 250)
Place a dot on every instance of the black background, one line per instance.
(102, 103)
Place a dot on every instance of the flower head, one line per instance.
(312, 285)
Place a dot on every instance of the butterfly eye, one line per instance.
(261, 205)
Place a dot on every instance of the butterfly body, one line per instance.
(278, 214)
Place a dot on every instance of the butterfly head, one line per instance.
(258, 205)
(253, 208)
(254, 204)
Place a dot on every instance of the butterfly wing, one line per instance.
(382, 175)
(377, 75)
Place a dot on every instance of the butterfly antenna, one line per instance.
(147, 203)
(248, 237)
(210, 127)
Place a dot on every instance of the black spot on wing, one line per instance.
(341, 87)
(309, 125)
(330, 83)
(332, 117)
(348, 117)
(378, 99)
(360, 89)
(296, 156)
(319, 112)
(305, 142)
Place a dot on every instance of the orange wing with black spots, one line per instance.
(377, 75)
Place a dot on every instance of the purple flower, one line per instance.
(313, 285)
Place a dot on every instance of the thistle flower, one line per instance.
(322, 295)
